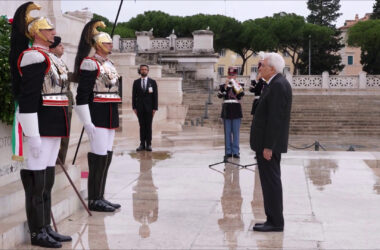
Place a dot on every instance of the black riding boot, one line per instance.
(50, 177)
(103, 186)
(96, 164)
(34, 183)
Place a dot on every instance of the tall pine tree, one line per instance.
(323, 12)
(376, 10)
(324, 55)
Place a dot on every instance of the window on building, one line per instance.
(222, 53)
(286, 69)
(239, 69)
(221, 70)
(350, 60)
(286, 54)
(254, 69)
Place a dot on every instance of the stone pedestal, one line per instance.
(203, 41)
(143, 40)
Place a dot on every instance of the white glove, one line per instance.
(90, 130)
(34, 143)
(83, 112)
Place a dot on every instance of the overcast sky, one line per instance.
(241, 10)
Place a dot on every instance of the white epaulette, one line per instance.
(31, 57)
(88, 64)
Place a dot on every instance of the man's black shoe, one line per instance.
(259, 224)
(115, 205)
(228, 156)
(268, 228)
(58, 237)
(100, 206)
(43, 239)
(148, 148)
(237, 156)
(140, 148)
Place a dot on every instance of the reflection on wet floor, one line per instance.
(171, 200)
(319, 171)
(145, 196)
(231, 223)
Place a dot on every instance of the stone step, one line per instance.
(13, 226)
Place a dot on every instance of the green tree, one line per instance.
(366, 35)
(323, 12)
(376, 10)
(162, 23)
(6, 97)
(121, 28)
(289, 32)
(255, 36)
(324, 51)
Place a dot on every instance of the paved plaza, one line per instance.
(171, 199)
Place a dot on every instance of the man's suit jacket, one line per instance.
(142, 100)
(270, 125)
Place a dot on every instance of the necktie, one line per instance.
(144, 84)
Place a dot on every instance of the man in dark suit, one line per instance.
(145, 104)
(269, 138)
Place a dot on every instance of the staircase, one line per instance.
(13, 226)
(312, 114)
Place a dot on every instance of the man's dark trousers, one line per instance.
(270, 177)
(145, 121)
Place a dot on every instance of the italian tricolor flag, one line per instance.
(17, 138)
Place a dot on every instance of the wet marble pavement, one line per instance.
(171, 199)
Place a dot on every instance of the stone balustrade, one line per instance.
(325, 81)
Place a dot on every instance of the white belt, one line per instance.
(231, 101)
(104, 97)
(257, 97)
(55, 100)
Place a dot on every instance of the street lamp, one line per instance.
(309, 54)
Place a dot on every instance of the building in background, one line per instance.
(351, 55)
(229, 58)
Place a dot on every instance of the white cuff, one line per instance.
(29, 123)
(83, 111)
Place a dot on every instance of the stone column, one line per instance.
(325, 80)
(289, 77)
(143, 40)
(362, 80)
(116, 43)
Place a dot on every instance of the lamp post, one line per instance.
(309, 54)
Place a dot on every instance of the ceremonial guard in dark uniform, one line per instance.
(57, 50)
(97, 106)
(256, 88)
(231, 92)
(39, 90)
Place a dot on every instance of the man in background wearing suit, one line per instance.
(269, 138)
(145, 104)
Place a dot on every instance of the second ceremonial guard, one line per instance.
(97, 107)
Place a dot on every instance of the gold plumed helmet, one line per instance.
(100, 37)
(35, 24)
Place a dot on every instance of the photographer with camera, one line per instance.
(231, 91)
